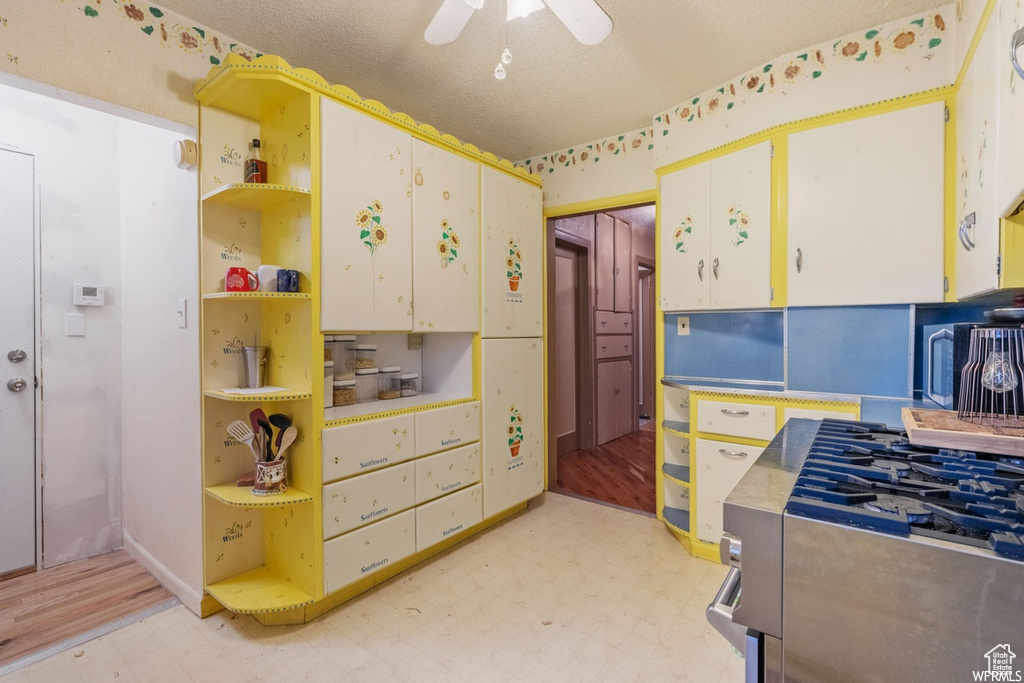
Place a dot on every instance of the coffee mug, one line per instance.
(268, 278)
(241, 280)
(287, 280)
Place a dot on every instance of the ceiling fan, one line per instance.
(584, 18)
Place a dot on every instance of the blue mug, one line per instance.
(287, 280)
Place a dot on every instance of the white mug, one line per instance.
(268, 278)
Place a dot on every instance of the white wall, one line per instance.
(160, 361)
(77, 170)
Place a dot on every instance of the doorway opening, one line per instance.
(601, 356)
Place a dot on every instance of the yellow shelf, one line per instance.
(258, 295)
(287, 395)
(242, 496)
(257, 592)
(255, 195)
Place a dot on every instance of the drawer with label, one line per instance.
(446, 517)
(358, 501)
(366, 446)
(362, 552)
(446, 472)
(744, 420)
(444, 428)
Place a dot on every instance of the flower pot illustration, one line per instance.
(513, 283)
(514, 448)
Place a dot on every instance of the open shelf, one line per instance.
(258, 295)
(677, 473)
(677, 519)
(286, 395)
(258, 196)
(340, 414)
(676, 427)
(258, 591)
(242, 496)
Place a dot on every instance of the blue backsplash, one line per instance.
(745, 345)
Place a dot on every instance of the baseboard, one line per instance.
(188, 596)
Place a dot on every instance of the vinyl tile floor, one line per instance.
(566, 591)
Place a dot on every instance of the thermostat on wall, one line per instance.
(88, 295)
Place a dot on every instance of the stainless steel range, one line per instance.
(858, 556)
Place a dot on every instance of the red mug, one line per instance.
(241, 280)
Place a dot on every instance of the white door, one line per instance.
(741, 228)
(17, 359)
(685, 272)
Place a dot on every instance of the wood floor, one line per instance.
(48, 607)
(620, 472)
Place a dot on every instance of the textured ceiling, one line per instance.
(558, 92)
(642, 217)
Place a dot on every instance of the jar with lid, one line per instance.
(342, 356)
(366, 385)
(389, 385)
(344, 392)
(328, 383)
(329, 347)
(363, 356)
(409, 383)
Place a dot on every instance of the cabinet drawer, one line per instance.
(677, 405)
(447, 516)
(720, 466)
(364, 499)
(445, 472)
(812, 414)
(613, 347)
(367, 446)
(444, 428)
(736, 419)
(360, 553)
(607, 322)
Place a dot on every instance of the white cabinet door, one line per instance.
(623, 266)
(863, 195)
(1011, 110)
(513, 263)
(604, 248)
(365, 551)
(444, 428)
(720, 466)
(447, 517)
(685, 269)
(513, 422)
(741, 228)
(446, 241)
(366, 223)
(367, 446)
(978, 144)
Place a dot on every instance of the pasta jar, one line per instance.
(366, 385)
(328, 383)
(342, 356)
(409, 384)
(328, 347)
(363, 356)
(344, 392)
(388, 383)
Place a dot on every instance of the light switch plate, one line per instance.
(683, 326)
(74, 324)
(182, 312)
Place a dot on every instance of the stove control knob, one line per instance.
(731, 550)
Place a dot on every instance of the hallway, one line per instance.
(620, 472)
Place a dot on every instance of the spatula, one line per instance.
(282, 422)
(240, 432)
(287, 439)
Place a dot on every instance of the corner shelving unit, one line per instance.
(674, 461)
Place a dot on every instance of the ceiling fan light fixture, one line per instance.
(522, 8)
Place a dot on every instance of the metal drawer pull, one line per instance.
(714, 268)
(736, 413)
(799, 260)
(700, 270)
(1016, 42)
(741, 454)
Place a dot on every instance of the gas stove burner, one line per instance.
(915, 511)
(900, 469)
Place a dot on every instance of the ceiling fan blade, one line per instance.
(584, 18)
(448, 23)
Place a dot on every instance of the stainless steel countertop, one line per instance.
(769, 481)
(758, 389)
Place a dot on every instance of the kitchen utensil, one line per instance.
(255, 359)
(990, 379)
(240, 279)
(288, 437)
(282, 422)
(240, 432)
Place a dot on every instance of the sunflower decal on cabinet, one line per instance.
(448, 247)
(515, 430)
(514, 266)
(371, 232)
(740, 223)
(685, 228)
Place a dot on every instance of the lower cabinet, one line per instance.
(358, 501)
(720, 466)
(443, 473)
(614, 399)
(362, 552)
(448, 516)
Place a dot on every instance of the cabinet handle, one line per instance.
(700, 270)
(735, 413)
(966, 224)
(799, 260)
(741, 454)
(714, 268)
(1016, 41)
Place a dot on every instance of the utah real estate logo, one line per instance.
(1000, 665)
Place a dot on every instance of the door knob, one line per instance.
(16, 356)
(17, 384)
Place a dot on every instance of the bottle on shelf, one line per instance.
(255, 167)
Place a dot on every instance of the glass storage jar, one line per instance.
(366, 385)
(342, 356)
(344, 392)
(409, 384)
(363, 356)
(328, 383)
(328, 347)
(388, 383)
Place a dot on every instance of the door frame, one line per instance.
(37, 356)
(639, 261)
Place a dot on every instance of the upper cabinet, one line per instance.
(862, 196)
(513, 265)
(446, 241)
(614, 275)
(366, 218)
(716, 233)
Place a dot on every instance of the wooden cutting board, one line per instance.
(942, 429)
